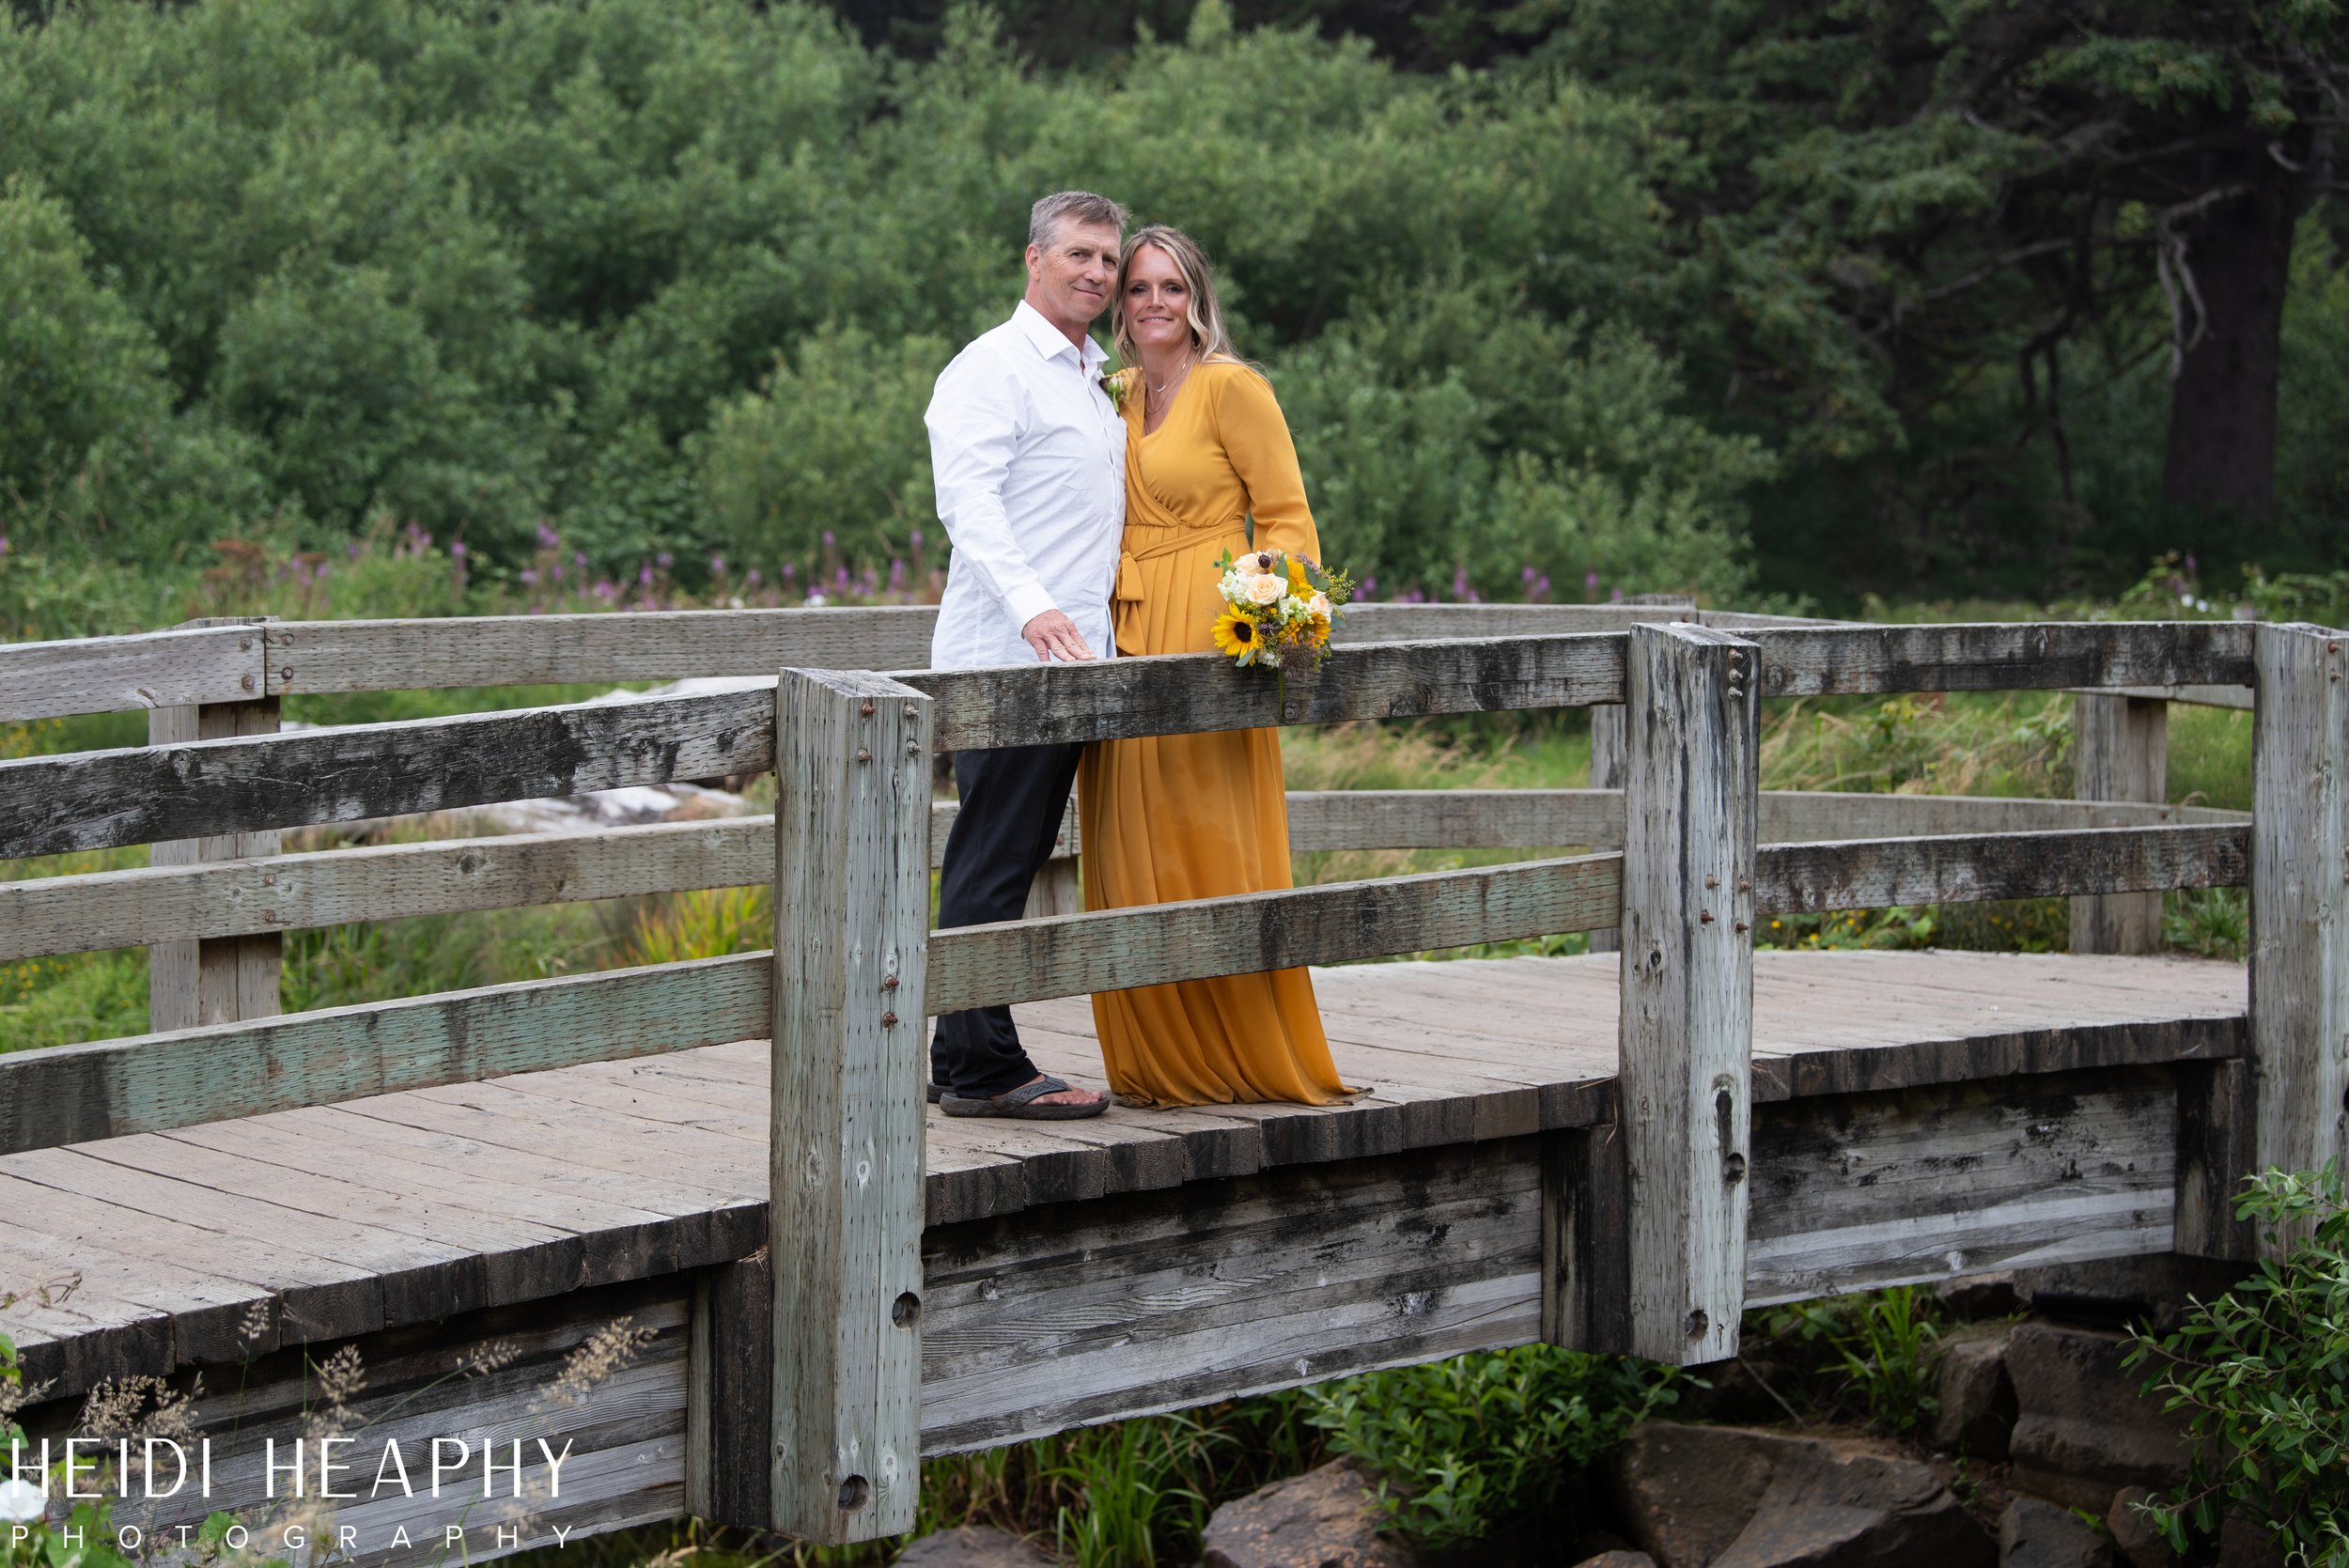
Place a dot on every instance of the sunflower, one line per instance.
(1301, 584)
(1236, 635)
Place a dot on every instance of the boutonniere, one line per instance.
(1113, 384)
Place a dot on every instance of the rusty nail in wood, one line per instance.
(913, 748)
(866, 710)
(245, 681)
(269, 915)
(1704, 917)
(286, 675)
(1712, 881)
(1743, 927)
(863, 755)
(1743, 885)
(889, 981)
(889, 1020)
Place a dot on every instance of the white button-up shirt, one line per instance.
(1030, 458)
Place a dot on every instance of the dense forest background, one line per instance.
(1765, 300)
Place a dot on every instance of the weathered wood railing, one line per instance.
(846, 991)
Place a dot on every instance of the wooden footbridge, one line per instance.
(820, 1282)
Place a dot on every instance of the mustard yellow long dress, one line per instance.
(1168, 817)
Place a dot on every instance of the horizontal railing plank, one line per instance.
(97, 799)
(154, 668)
(69, 1094)
(1868, 874)
(330, 887)
(99, 674)
(1194, 693)
(2002, 657)
(980, 965)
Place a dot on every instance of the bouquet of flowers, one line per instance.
(1278, 608)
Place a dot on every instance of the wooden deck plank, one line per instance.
(343, 1218)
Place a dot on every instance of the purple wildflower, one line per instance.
(753, 577)
(606, 589)
(790, 570)
(717, 565)
(1459, 582)
(1370, 586)
(643, 576)
(665, 560)
(530, 576)
(917, 538)
(896, 576)
(1614, 596)
(548, 538)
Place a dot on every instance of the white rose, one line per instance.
(1320, 605)
(1266, 590)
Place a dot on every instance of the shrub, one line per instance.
(1462, 1445)
(2262, 1374)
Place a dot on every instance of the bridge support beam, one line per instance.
(852, 884)
(2120, 752)
(2300, 895)
(1690, 801)
(218, 979)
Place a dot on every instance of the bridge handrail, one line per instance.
(96, 910)
(144, 1083)
(99, 799)
(257, 657)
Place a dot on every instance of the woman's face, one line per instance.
(1157, 303)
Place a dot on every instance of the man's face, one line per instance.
(1069, 280)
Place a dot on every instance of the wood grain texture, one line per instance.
(1194, 693)
(1856, 1192)
(1586, 1236)
(1979, 868)
(330, 887)
(2237, 697)
(97, 799)
(1864, 660)
(852, 884)
(978, 966)
(531, 650)
(2217, 1148)
(730, 1418)
(1687, 1016)
(2300, 896)
(142, 1083)
(2120, 752)
(1610, 762)
(215, 980)
(155, 669)
(1095, 1312)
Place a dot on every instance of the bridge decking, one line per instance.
(404, 1208)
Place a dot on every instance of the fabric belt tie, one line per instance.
(1129, 589)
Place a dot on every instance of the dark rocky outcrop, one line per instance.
(1321, 1519)
(1735, 1498)
(2082, 1430)
(2039, 1534)
(971, 1546)
(1977, 1398)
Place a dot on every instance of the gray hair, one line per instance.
(1060, 207)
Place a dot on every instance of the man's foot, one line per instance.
(1042, 1098)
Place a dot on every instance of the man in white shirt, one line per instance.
(1029, 454)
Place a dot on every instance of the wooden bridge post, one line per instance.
(1691, 800)
(1610, 757)
(2120, 752)
(2300, 895)
(852, 903)
(219, 979)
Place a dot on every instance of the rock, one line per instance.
(1735, 1498)
(2083, 1430)
(2132, 1534)
(1687, 1491)
(1981, 1296)
(1977, 1399)
(1321, 1519)
(2037, 1534)
(2244, 1544)
(971, 1546)
(1618, 1559)
(2151, 1289)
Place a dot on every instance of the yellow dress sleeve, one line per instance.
(1256, 438)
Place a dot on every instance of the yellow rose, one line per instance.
(1265, 589)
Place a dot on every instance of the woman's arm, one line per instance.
(1257, 437)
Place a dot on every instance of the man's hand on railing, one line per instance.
(1053, 635)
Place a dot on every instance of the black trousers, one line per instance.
(1011, 802)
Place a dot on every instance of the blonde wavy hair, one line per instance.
(1207, 331)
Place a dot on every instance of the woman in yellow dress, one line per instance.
(1183, 816)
